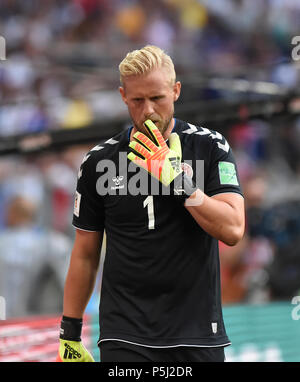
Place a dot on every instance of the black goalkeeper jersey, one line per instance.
(161, 275)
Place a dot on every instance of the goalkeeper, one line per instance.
(160, 295)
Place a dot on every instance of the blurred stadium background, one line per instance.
(59, 97)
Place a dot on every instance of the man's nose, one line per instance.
(148, 108)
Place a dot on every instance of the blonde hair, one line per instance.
(143, 61)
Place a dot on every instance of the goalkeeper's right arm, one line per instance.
(79, 286)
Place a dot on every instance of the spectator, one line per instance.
(33, 262)
(243, 267)
(57, 36)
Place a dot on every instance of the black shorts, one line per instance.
(119, 351)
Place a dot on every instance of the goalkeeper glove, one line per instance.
(71, 348)
(161, 161)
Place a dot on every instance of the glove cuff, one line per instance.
(70, 329)
(183, 186)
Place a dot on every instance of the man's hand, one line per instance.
(161, 161)
(71, 348)
(73, 351)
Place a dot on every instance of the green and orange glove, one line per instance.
(160, 160)
(71, 348)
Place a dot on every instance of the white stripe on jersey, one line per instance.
(159, 347)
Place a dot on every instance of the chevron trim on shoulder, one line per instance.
(213, 135)
(224, 146)
(193, 129)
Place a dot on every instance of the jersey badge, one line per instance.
(77, 203)
(227, 173)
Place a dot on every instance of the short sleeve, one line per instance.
(222, 171)
(88, 204)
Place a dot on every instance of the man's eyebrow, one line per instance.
(156, 96)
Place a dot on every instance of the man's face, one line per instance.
(150, 96)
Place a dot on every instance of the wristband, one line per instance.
(70, 329)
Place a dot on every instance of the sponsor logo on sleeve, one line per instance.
(227, 173)
(77, 203)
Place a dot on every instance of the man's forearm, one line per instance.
(79, 285)
(218, 218)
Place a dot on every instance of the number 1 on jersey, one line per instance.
(148, 202)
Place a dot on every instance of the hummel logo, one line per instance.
(117, 180)
(71, 353)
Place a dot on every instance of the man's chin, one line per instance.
(162, 127)
(144, 130)
(156, 123)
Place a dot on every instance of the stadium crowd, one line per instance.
(61, 73)
(62, 54)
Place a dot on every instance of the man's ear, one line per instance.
(177, 90)
(122, 92)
